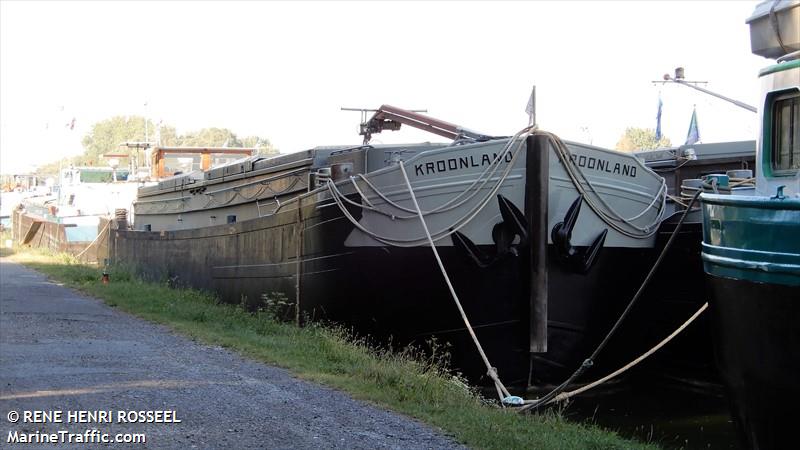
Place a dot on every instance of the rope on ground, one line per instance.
(502, 392)
(566, 395)
(94, 241)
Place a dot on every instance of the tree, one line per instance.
(640, 139)
(106, 137)
(211, 137)
(167, 136)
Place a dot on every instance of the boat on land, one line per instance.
(532, 232)
(751, 249)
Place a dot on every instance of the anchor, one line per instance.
(577, 261)
(513, 220)
(504, 234)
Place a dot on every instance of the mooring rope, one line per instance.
(94, 241)
(519, 138)
(610, 217)
(483, 178)
(605, 211)
(502, 392)
(589, 362)
(339, 198)
(566, 395)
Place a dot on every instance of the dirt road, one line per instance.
(62, 351)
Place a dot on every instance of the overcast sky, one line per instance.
(283, 70)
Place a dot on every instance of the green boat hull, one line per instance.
(751, 255)
(752, 238)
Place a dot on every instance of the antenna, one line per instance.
(136, 146)
(679, 78)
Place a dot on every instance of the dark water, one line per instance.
(668, 413)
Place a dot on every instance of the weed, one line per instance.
(277, 306)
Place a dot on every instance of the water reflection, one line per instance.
(669, 413)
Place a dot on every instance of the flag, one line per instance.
(531, 107)
(658, 118)
(693, 136)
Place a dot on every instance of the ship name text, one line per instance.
(462, 162)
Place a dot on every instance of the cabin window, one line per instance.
(102, 176)
(786, 134)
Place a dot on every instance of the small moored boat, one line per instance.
(751, 250)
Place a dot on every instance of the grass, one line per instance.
(404, 381)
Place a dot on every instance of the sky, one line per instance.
(283, 70)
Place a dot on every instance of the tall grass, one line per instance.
(406, 381)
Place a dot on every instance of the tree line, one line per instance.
(106, 136)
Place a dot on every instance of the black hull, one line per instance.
(311, 254)
(677, 291)
(757, 343)
(400, 293)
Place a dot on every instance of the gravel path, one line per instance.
(60, 350)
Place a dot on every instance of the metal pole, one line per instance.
(536, 199)
(299, 236)
(714, 94)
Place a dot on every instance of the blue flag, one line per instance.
(658, 118)
(693, 136)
